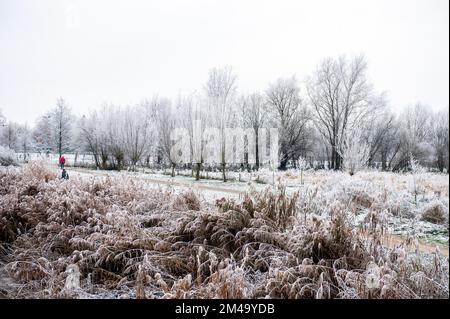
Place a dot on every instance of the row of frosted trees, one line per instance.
(335, 119)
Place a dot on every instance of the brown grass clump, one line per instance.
(113, 238)
(435, 213)
(187, 201)
(362, 199)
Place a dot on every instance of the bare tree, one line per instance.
(290, 116)
(341, 97)
(414, 135)
(61, 124)
(25, 140)
(89, 136)
(137, 133)
(254, 113)
(390, 141)
(150, 112)
(440, 139)
(114, 135)
(193, 117)
(119, 136)
(220, 91)
(42, 133)
(10, 135)
(167, 124)
(379, 133)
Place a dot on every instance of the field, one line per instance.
(316, 234)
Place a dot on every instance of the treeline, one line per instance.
(317, 121)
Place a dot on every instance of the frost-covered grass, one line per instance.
(408, 202)
(115, 237)
(414, 206)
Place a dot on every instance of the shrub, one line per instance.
(435, 213)
(7, 157)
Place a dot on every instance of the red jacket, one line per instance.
(62, 160)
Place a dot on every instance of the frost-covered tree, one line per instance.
(254, 112)
(137, 133)
(414, 134)
(291, 118)
(78, 142)
(9, 136)
(9, 133)
(113, 135)
(354, 150)
(220, 90)
(341, 96)
(193, 117)
(8, 141)
(379, 133)
(90, 138)
(25, 142)
(149, 110)
(42, 133)
(119, 136)
(60, 120)
(2, 119)
(385, 140)
(440, 139)
(166, 124)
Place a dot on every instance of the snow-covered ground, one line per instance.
(71, 159)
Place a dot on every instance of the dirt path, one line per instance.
(165, 182)
(389, 240)
(394, 240)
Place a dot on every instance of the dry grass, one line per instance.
(112, 238)
(435, 213)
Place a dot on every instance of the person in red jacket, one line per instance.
(62, 161)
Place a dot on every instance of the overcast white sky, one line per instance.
(123, 51)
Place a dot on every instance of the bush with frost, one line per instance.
(435, 212)
(7, 157)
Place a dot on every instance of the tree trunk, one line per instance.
(197, 171)
(60, 139)
(383, 161)
(224, 175)
(283, 164)
(440, 162)
(338, 161)
(104, 160)
(333, 158)
(96, 160)
(257, 150)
